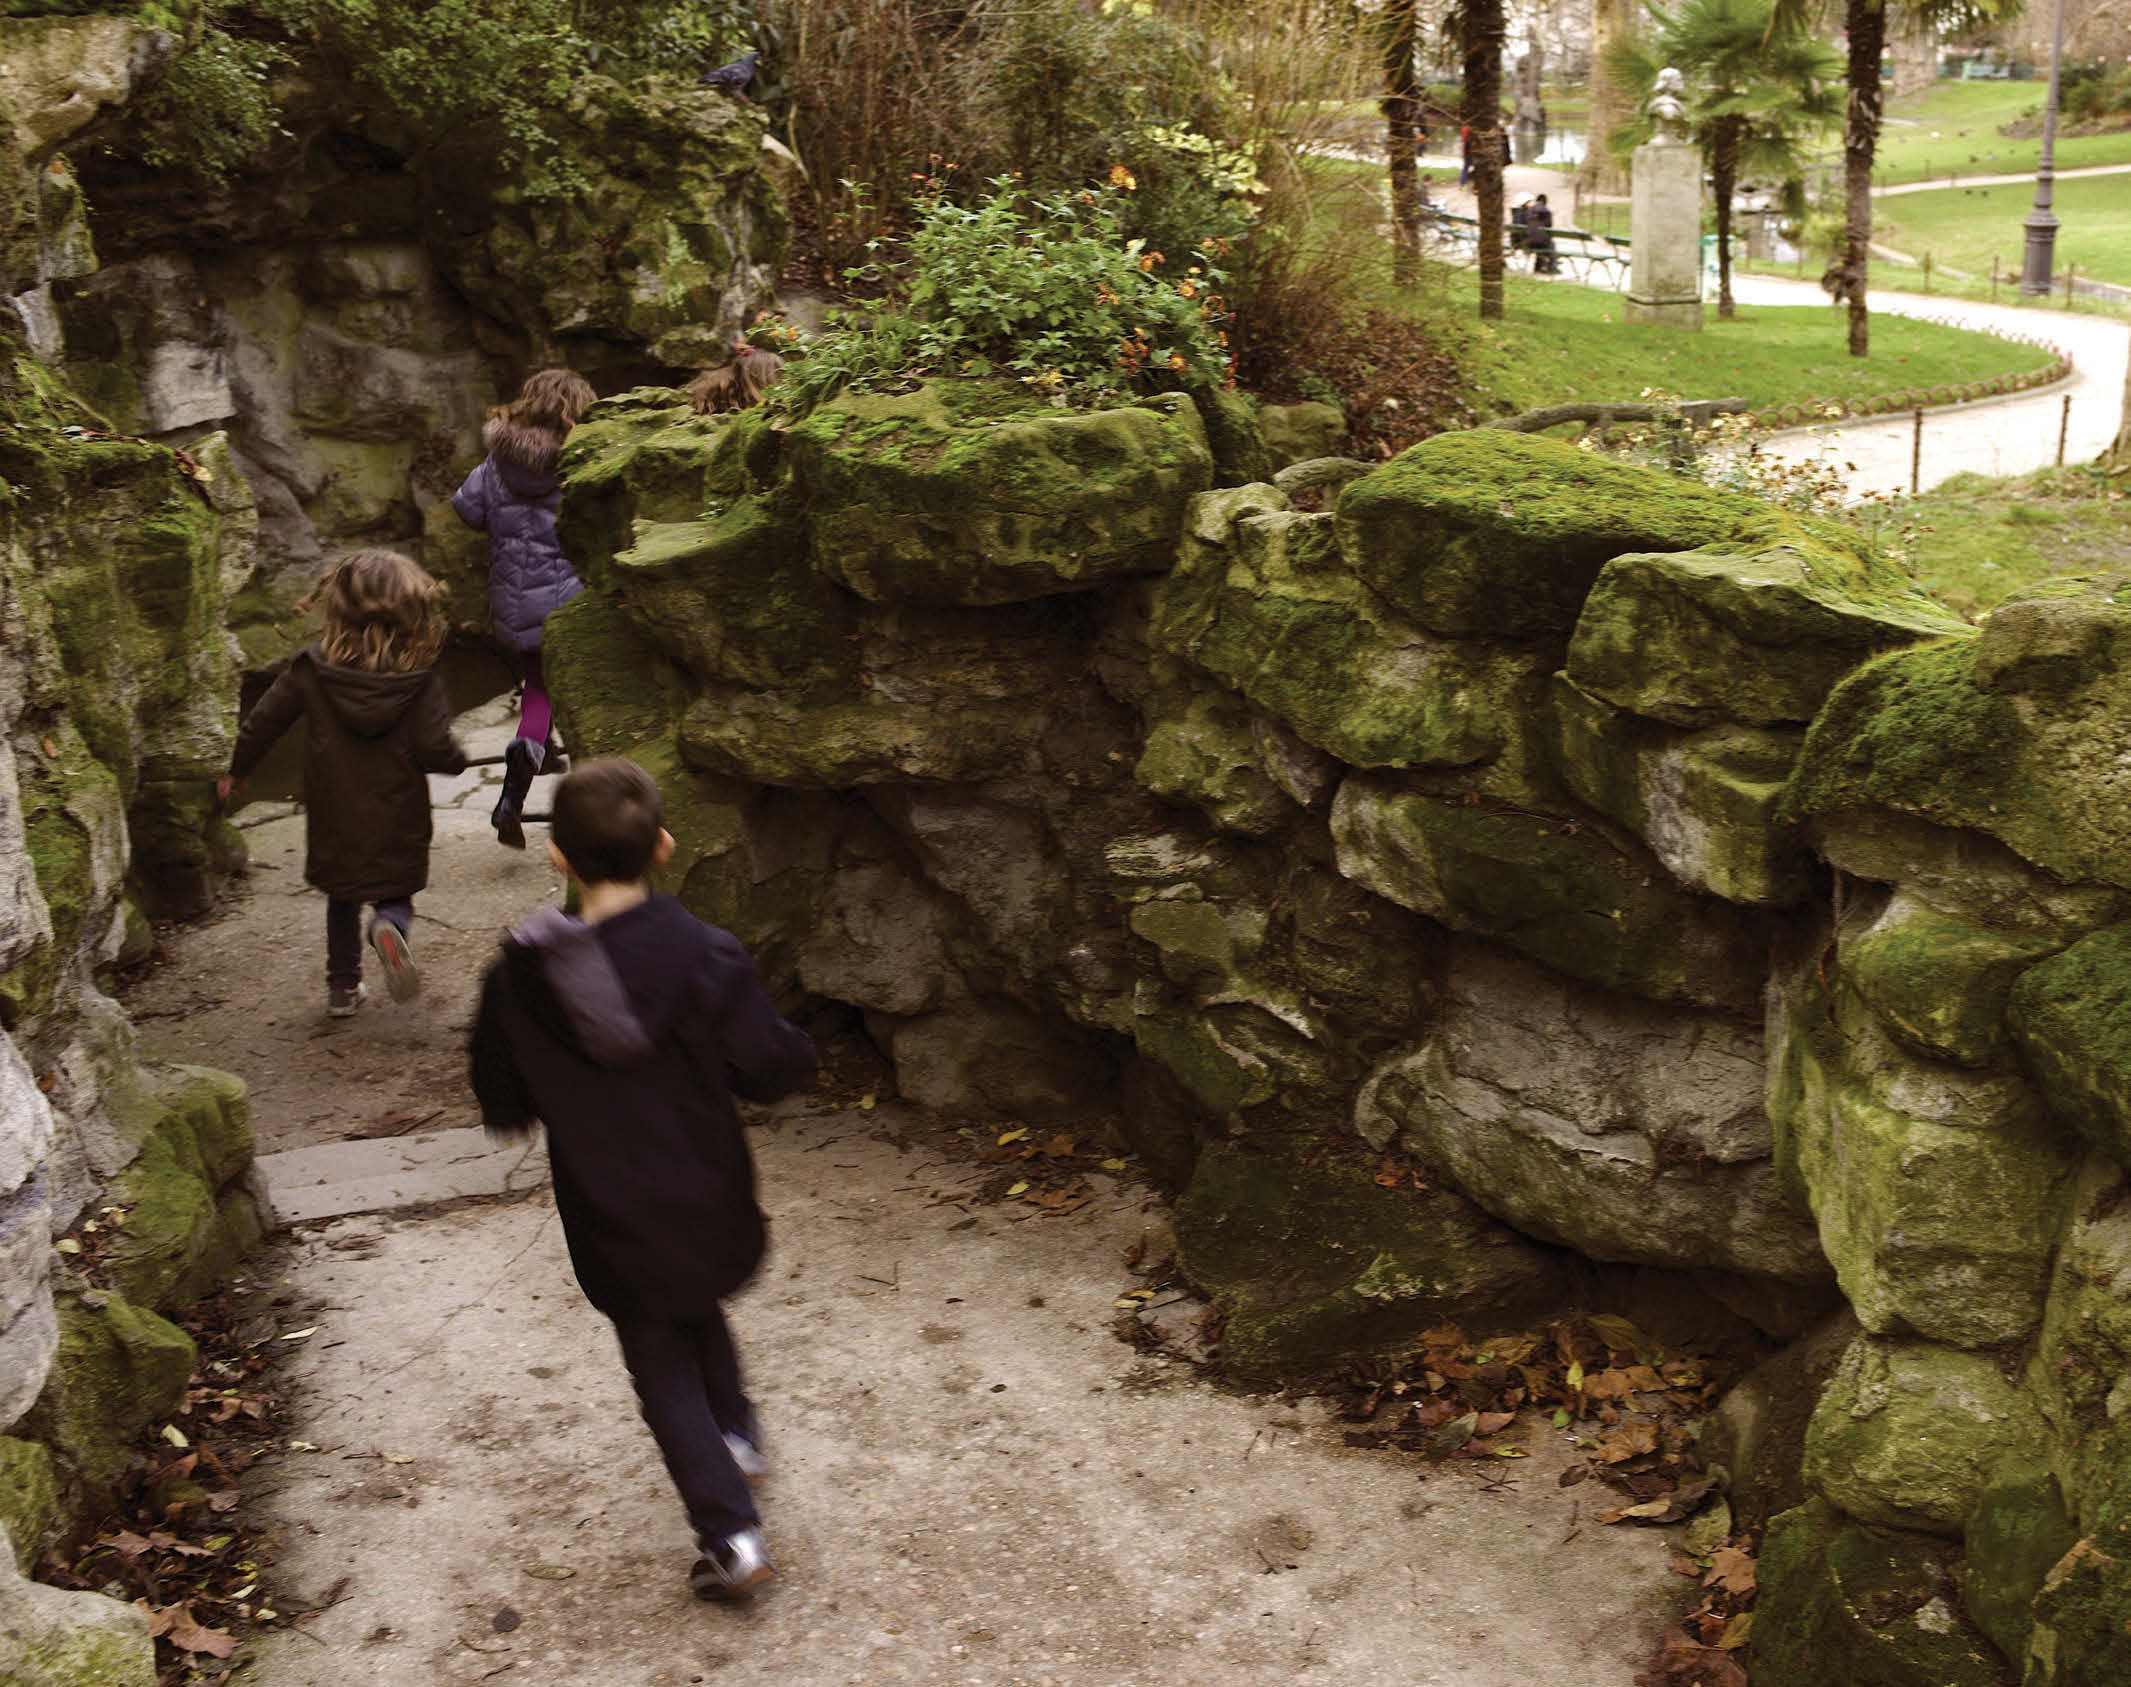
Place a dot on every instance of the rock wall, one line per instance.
(1662, 875)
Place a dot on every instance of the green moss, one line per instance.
(1565, 892)
(118, 1369)
(188, 1219)
(2015, 1534)
(1200, 750)
(1486, 533)
(1862, 1606)
(29, 1498)
(1940, 985)
(1315, 1263)
(2071, 1019)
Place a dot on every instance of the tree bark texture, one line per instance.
(1401, 106)
(1600, 172)
(1866, 21)
(1484, 31)
(1724, 181)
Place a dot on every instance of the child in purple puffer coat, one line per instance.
(513, 497)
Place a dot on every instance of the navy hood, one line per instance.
(586, 986)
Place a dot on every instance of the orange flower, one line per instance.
(1122, 177)
(1149, 259)
(1188, 289)
(1176, 362)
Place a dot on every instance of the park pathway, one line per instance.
(1937, 185)
(978, 1483)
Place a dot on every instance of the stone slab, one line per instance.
(336, 1179)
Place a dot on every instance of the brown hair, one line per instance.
(381, 613)
(738, 384)
(552, 399)
(606, 820)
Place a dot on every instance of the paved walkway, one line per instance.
(1935, 185)
(1999, 437)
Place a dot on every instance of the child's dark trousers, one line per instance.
(344, 936)
(687, 1379)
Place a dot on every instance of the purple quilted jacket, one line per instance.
(513, 497)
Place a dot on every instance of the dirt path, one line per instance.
(978, 1481)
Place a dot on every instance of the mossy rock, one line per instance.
(1568, 894)
(643, 455)
(911, 504)
(1704, 801)
(1757, 1432)
(2083, 1611)
(1236, 437)
(1201, 750)
(1760, 638)
(1940, 1194)
(1843, 1602)
(56, 1638)
(2081, 1368)
(1261, 599)
(1486, 533)
(2071, 1019)
(2015, 1534)
(119, 1369)
(188, 1218)
(1940, 985)
(29, 1498)
(1315, 1263)
(2003, 733)
(1244, 1061)
(1910, 1432)
(1300, 433)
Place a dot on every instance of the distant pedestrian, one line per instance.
(513, 497)
(627, 1031)
(1539, 237)
(1464, 153)
(376, 722)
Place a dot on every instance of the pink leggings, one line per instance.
(535, 715)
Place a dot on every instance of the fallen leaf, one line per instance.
(1020, 1188)
(177, 1624)
(865, 1102)
(549, 1572)
(300, 1335)
(1732, 1570)
(1633, 1439)
(1683, 1661)
(175, 1436)
(399, 1458)
(303, 1446)
(1015, 1135)
(1617, 1333)
(1061, 1145)
(67, 1245)
(1117, 1165)
(1737, 1632)
(1454, 1435)
(1492, 1421)
(1670, 1508)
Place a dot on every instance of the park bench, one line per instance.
(1585, 253)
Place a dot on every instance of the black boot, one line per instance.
(521, 760)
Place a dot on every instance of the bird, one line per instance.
(734, 77)
(738, 384)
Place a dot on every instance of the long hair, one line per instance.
(551, 399)
(382, 613)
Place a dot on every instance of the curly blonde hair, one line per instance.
(382, 612)
(552, 399)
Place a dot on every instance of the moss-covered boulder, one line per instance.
(922, 498)
(29, 1497)
(1866, 1607)
(1262, 599)
(1300, 433)
(1759, 638)
(2015, 1534)
(119, 1369)
(1316, 1262)
(1940, 985)
(2009, 733)
(1940, 1194)
(1909, 1432)
(1705, 801)
(1203, 749)
(2080, 1371)
(1757, 1432)
(2082, 1614)
(55, 1638)
(1486, 533)
(1570, 894)
(1627, 1130)
(2071, 1018)
(189, 1214)
(665, 244)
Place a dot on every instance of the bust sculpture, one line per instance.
(1668, 114)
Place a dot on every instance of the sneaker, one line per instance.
(343, 999)
(734, 1569)
(403, 979)
(746, 1455)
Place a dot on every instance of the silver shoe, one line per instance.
(734, 1569)
(747, 1456)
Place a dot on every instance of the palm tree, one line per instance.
(1401, 106)
(1480, 28)
(1865, 24)
(1758, 94)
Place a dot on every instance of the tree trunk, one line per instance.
(2117, 459)
(1401, 106)
(1484, 31)
(1723, 179)
(1867, 24)
(1600, 172)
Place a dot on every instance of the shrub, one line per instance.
(1047, 287)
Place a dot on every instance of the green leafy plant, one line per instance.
(1045, 287)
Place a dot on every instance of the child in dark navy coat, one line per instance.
(627, 1032)
(513, 496)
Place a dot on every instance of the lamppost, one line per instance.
(2042, 221)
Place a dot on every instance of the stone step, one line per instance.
(335, 1179)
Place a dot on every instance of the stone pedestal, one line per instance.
(1665, 228)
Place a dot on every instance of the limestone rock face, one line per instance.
(61, 1639)
(1623, 1129)
(2071, 1017)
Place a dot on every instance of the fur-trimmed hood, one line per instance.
(525, 455)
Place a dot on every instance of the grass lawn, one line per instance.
(1953, 129)
(1559, 342)
(1989, 538)
(1966, 226)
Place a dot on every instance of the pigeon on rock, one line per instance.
(734, 77)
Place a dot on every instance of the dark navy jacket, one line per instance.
(513, 497)
(628, 1039)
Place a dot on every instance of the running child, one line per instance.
(513, 497)
(627, 1031)
(376, 723)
